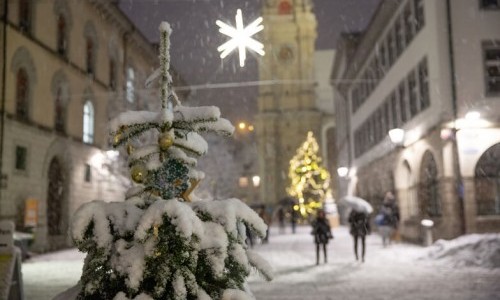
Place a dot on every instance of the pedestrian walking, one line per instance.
(360, 227)
(294, 218)
(387, 219)
(281, 219)
(267, 220)
(322, 234)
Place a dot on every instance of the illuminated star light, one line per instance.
(240, 37)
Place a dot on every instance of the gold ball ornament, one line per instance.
(117, 138)
(165, 141)
(130, 149)
(138, 173)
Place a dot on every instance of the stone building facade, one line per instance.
(287, 106)
(431, 68)
(68, 67)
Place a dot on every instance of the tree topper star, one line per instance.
(240, 37)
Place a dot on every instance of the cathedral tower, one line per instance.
(287, 103)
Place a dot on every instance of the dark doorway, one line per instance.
(55, 197)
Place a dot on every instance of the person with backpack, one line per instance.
(359, 228)
(387, 219)
(322, 234)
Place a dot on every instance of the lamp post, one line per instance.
(397, 136)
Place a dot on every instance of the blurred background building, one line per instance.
(290, 106)
(431, 70)
(67, 68)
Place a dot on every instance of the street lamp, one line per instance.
(343, 171)
(397, 136)
(256, 180)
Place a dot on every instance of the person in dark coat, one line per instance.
(322, 234)
(360, 227)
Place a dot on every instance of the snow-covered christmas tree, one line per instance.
(157, 244)
(309, 180)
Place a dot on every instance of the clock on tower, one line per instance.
(284, 7)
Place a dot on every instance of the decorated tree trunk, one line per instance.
(157, 244)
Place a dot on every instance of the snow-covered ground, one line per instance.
(399, 271)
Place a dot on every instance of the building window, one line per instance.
(394, 110)
(386, 125)
(22, 93)
(61, 35)
(112, 75)
(21, 158)
(383, 58)
(59, 112)
(398, 28)
(429, 186)
(88, 123)
(25, 15)
(492, 66)
(413, 94)
(490, 4)
(391, 50)
(130, 92)
(487, 182)
(90, 56)
(423, 79)
(87, 176)
(419, 14)
(402, 103)
(408, 20)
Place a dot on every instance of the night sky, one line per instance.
(195, 40)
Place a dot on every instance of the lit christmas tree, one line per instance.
(157, 244)
(309, 180)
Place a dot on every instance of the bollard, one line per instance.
(427, 231)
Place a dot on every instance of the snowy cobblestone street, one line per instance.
(389, 273)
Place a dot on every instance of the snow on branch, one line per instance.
(103, 218)
(260, 264)
(193, 142)
(196, 114)
(180, 215)
(221, 126)
(228, 212)
(131, 118)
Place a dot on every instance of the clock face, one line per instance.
(284, 7)
(285, 54)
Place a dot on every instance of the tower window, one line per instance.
(112, 75)
(25, 15)
(90, 56)
(21, 157)
(22, 92)
(59, 112)
(130, 92)
(88, 123)
(61, 35)
(490, 4)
